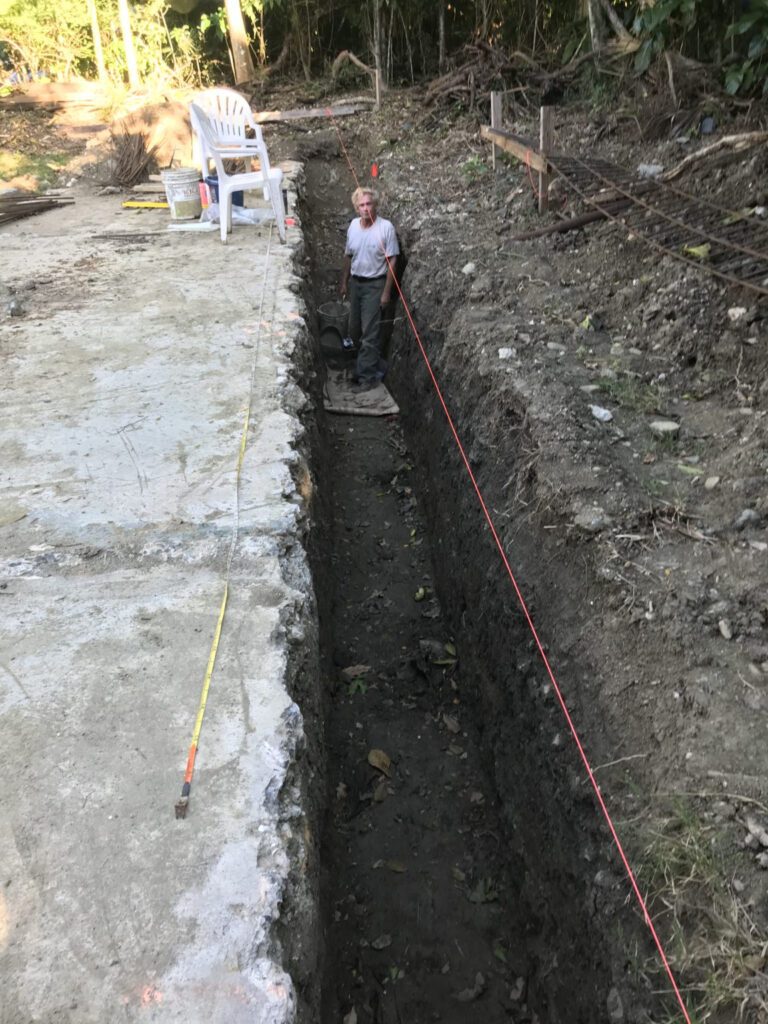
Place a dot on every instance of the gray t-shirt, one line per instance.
(367, 247)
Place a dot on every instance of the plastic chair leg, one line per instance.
(276, 198)
(225, 212)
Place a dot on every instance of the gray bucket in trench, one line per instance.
(334, 325)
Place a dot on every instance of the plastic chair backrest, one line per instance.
(228, 112)
(201, 125)
(230, 116)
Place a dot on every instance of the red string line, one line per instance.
(530, 176)
(534, 632)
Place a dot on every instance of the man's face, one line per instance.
(367, 209)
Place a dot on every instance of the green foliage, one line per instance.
(751, 73)
(50, 36)
(700, 28)
(54, 37)
(660, 25)
(474, 169)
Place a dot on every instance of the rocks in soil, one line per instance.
(468, 995)
(664, 428)
(601, 414)
(592, 520)
(747, 517)
(756, 829)
(615, 1007)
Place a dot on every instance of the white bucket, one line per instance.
(183, 193)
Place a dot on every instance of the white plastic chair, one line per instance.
(219, 150)
(231, 118)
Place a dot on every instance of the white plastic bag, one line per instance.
(240, 215)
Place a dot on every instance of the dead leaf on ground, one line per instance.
(382, 942)
(458, 874)
(380, 760)
(351, 1017)
(484, 892)
(517, 992)
(381, 791)
(354, 672)
(341, 791)
(467, 995)
(451, 723)
(396, 866)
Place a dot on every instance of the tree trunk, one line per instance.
(238, 40)
(377, 39)
(98, 50)
(596, 25)
(130, 51)
(441, 39)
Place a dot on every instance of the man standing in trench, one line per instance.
(368, 276)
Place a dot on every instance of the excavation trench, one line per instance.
(458, 844)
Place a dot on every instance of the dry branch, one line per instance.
(736, 142)
(572, 223)
(485, 68)
(346, 56)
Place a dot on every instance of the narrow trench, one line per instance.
(420, 914)
(471, 879)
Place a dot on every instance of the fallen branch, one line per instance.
(347, 56)
(736, 142)
(282, 58)
(572, 224)
(615, 22)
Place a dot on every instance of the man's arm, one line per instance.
(389, 284)
(346, 268)
(392, 250)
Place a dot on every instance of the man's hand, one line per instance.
(385, 299)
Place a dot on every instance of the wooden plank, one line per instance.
(545, 148)
(515, 147)
(495, 122)
(264, 116)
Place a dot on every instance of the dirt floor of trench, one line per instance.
(420, 913)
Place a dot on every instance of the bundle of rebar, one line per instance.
(14, 205)
(132, 154)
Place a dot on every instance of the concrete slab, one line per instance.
(125, 388)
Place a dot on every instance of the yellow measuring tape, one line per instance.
(183, 802)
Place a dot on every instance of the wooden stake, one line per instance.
(495, 122)
(545, 148)
(378, 88)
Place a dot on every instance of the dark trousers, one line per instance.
(365, 326)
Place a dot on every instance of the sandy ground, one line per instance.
(125, 385)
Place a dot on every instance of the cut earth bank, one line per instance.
(643, 559)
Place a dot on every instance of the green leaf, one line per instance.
(733, 80)
(744, 24)
(699, 252)
(643, 57)
(757, 47)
